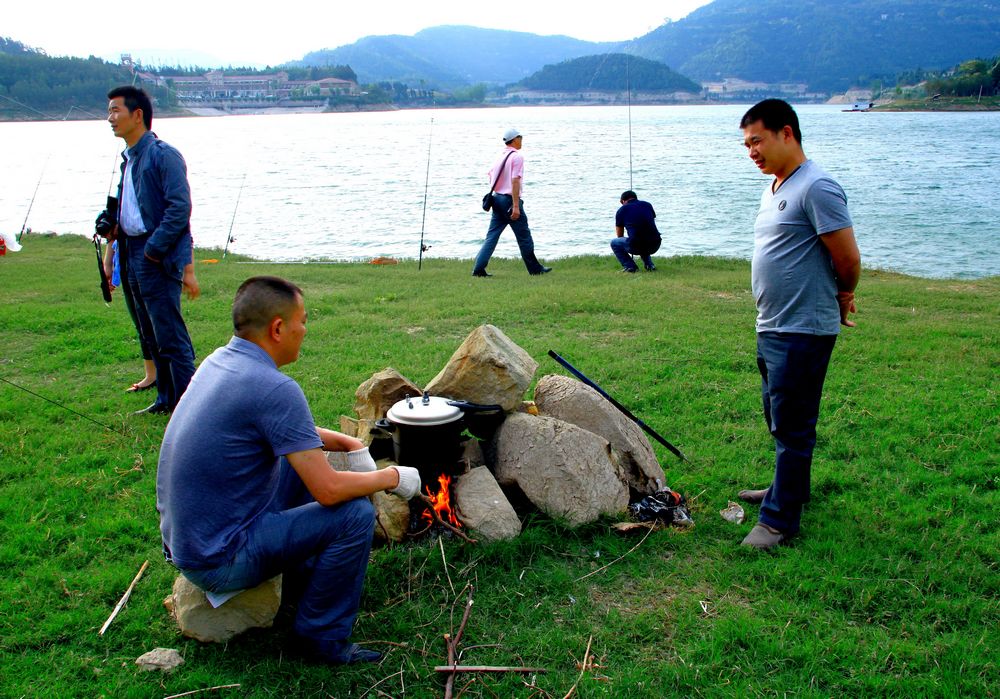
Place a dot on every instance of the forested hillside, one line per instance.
(615, 71)
(829, 44)
(34, 85)
(450, 56)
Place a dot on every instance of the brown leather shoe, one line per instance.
(754, 497)
(764, 537)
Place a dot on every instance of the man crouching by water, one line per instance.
(245, 492)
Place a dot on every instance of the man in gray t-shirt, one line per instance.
(806, 265)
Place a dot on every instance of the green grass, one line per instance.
(892, 590)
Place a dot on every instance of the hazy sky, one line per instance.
(243, 33)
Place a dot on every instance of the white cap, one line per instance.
(510, 134)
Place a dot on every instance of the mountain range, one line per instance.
(830, 45)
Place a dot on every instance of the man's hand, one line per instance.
(360, 461)
(845, 299)
(515, 212)
(409, 482)
(190, 283)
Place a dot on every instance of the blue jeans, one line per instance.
(792, 369)
(624, 249)
(156, 298)
(499, 220)
(322, 549)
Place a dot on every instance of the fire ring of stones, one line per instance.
(568, 453)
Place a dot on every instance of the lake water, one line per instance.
(922, 187)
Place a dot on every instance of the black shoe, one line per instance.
(626, 270)
(481, 273)
(650, 268)
(154, 409)
(543, 270)
(337, 652)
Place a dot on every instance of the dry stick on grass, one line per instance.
(199, 691)
(123, 600)
(452, 644)
(586, 656)
(395, 674)
(444, 561)
(487, 668)
(437, 518)
(595, 572)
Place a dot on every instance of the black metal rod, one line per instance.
(427, 179)
(625, 411)
(229, 235)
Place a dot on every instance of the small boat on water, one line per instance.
(858, 108)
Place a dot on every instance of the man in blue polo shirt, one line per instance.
(638, 219)
(806, 265)
(245, 492)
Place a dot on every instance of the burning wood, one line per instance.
(440, 503)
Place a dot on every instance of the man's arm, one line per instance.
(190, 282)
(330, 487)
(337, 441)
(172, 171)
(846, 259)
(620, 231)
(515, 193)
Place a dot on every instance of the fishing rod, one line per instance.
(229, 235)
(427, 178)
(628, 92)
(32, 203)
(64, 407)
(625, 411)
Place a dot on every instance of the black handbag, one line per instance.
(488, 198)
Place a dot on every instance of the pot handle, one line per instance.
(384, 426)
(467, 407)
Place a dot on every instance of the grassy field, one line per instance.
(892, 590)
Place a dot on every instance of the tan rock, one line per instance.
(348, 426)
(483, 508)
(487, 368)
(392, 513)
(165, 659)
(564, 470)
(571, 401)
(253, 608)
(376, 395)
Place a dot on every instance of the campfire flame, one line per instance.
(441, 502)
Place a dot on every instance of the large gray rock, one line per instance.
(571, 401)
(483, 508)
(564, 470)
(254, 608)
(487, 368)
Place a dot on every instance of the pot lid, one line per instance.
(426, 411)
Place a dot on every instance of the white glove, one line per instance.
(409, 482)
(360, 461)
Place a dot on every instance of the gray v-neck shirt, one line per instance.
(792, 275)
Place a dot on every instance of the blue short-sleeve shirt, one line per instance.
(220, 456)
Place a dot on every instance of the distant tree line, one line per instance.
(294, 72)
(35, 85)
(968, 79)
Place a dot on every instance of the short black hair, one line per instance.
(628, 195)
(135, 98)
(259, 300)
(775, 114)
